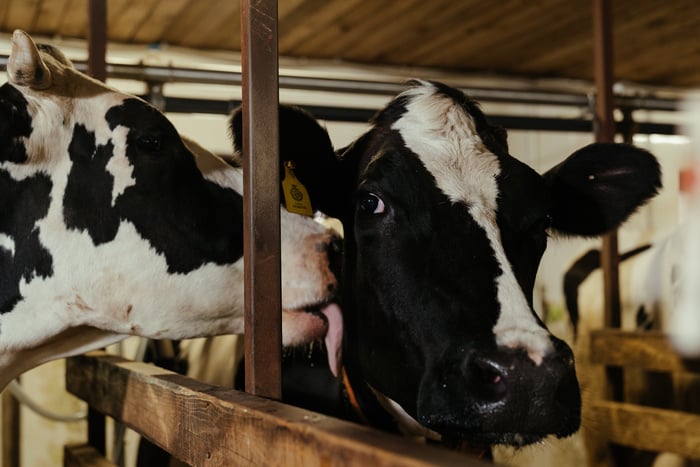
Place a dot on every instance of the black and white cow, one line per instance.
(654, 282)
(652, 285)
(111, 224)
(443, 234)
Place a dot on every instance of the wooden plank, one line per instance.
(310, 18)
(74, 21)
(83, 455)
(217, 16)
(159, 20)
(261, 198)
(22, 15)
(207, 425)
(130, 19)
(650, 350)
(646, 427)
(190, 19)
(49, 16)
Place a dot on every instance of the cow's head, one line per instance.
(111, 224)
(444, 231)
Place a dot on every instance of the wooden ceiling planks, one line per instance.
(212, 28)
(124, 24)
(74, 19)
(23, 13)
(348, 32)
(312, 18)
(655, 43)
(48, 16)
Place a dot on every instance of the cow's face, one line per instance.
(444, 234)
(109, 220)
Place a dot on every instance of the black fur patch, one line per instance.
(88, 196)
(189, 220)
(15, 123)
(22, 204)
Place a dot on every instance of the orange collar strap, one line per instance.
(352, 398)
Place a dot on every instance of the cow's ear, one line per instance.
(25, 66)
(307, 145)
(599, 186)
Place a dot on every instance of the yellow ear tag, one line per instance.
(296, 198)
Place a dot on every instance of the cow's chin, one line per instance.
(475, 443)
(302, 326)
(478, 443)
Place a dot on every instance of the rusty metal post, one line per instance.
(261, 225)
(600, 452)
(97, 39)
(10, 430)
(97, 68)
(605, 132)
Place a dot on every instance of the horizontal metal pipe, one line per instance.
(341, 114)
(164, 74)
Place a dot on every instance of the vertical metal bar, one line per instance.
(604, 127)
(261, 226)
(10, 431)
(97, 68)
(605, 132)
(97, 39)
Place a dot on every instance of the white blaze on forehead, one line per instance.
(444, 137)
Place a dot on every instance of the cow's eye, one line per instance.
(371, 204)
(148, 143)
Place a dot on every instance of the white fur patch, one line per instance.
(119, 166)
(445, 139)
(7, 243)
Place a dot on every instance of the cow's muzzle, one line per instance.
(503, 397)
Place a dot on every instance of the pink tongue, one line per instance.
(334, 336)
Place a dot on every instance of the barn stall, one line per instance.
(344, 59)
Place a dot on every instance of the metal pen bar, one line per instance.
(261, 225)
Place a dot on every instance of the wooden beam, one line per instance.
(650, 350)
(647, 428)
(205, 425)
(84, 455)
(261, 199)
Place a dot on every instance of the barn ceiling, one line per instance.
(655, 43)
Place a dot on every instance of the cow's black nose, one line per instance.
(521, 395)
(501, 395)
(488, 375)
(510, 374)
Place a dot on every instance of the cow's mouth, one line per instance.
(305, 325)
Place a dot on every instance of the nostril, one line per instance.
(488, 377)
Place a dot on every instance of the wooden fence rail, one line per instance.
(650, 350)
(205, 425)
(638, 426)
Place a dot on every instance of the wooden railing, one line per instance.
(638, 426)
(205, 425)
